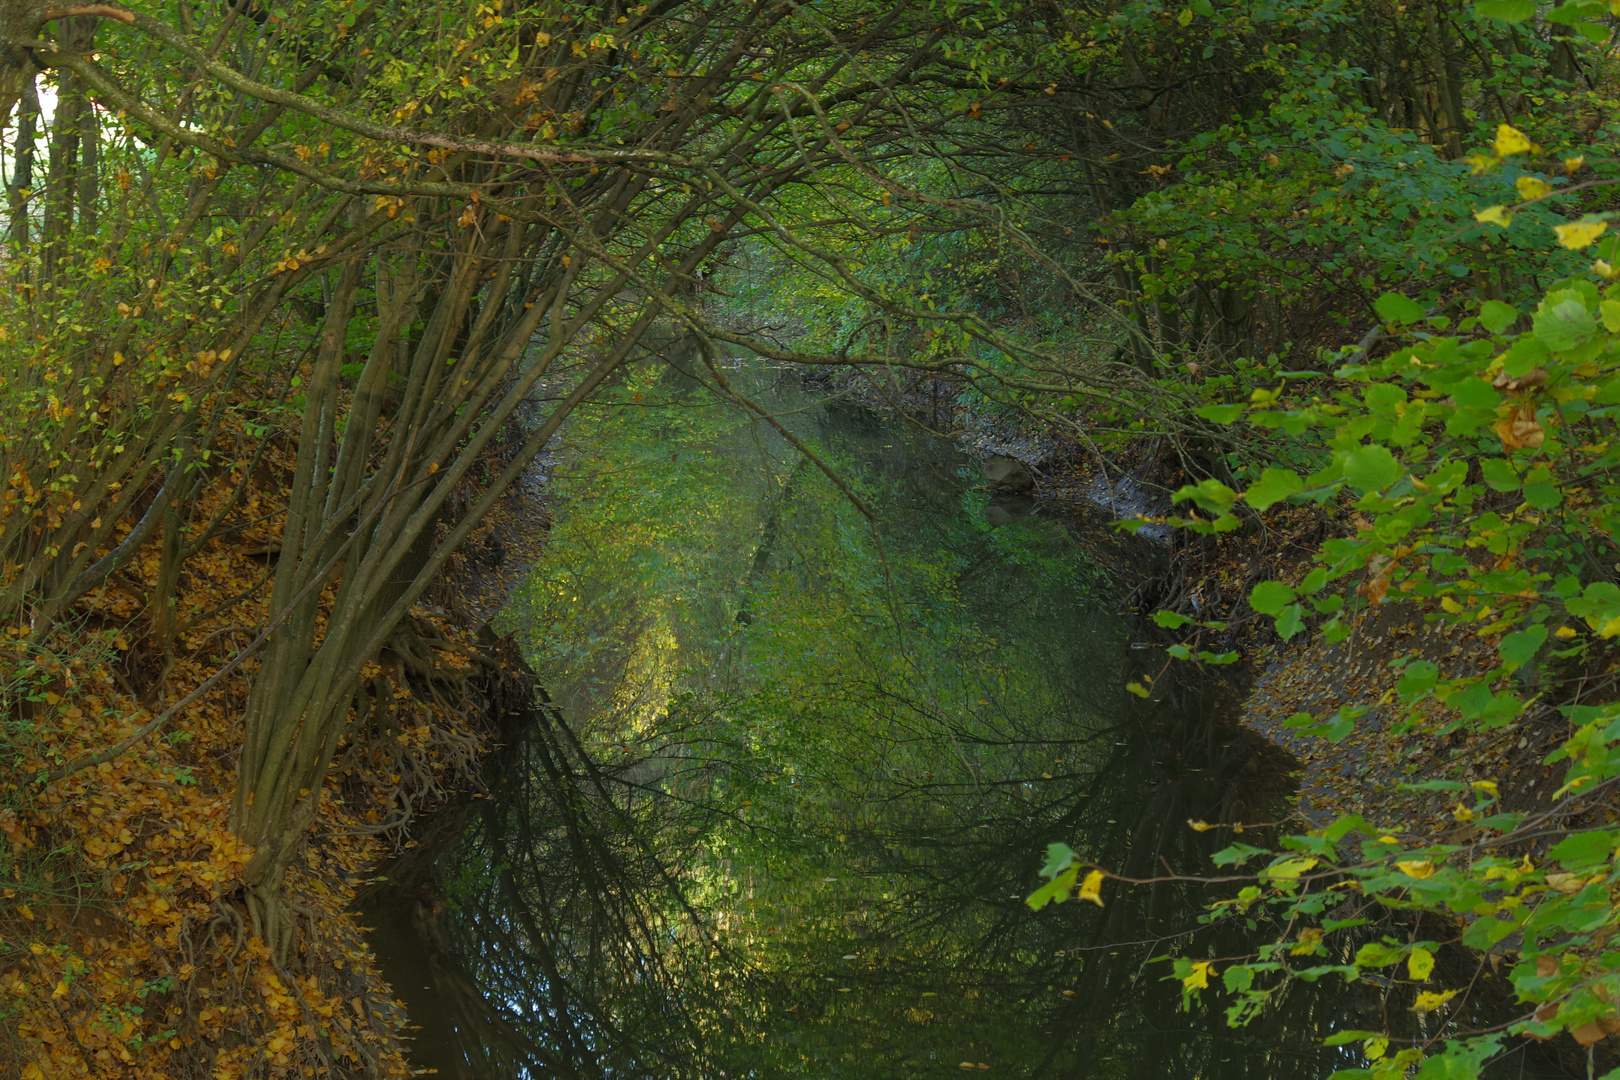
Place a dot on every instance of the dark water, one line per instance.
(801, 772)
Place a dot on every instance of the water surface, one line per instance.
(809, 739)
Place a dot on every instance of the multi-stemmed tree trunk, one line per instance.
(417, 226)
(497, 244)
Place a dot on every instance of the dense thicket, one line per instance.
(411, 239)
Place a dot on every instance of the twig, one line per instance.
(104, 10)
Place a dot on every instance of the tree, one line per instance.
(480, 234)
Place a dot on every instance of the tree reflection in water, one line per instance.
(785, 819)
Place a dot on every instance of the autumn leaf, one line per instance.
(1419, 869)
(1532, 187)
(1590, 1032)
(1521, 430)
(1579, 234)
(1494, 215)
(1198, 978)
(1091, 888)
(1568, 884)
(1428, 1001)
(1510, 140)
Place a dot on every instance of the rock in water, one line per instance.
(1008, 474)
(1005, 508)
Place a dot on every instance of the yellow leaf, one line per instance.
(1565, 632)
(1578, 234)
(1603, 270)
(1185, 18)
(1510, 140)
(1531, 187)
(1199, 978)
(1487, 786)
(1419, 964)
(26, 912)
(60, 991)
(1574, 164)
(1199, 826)
(1568, 884)
(1417, 869)
(1091, 888)
(1451, 605)
(1462, 813)
(32, 1071)
(1494, 215)
(1428, 1001)
(1287, 869)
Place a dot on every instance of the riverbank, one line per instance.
(1364, 772)
(126, 945)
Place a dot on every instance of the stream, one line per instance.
(808, 741)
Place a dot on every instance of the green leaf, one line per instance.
(1290, 621)
(1221, 414)
(1596, 33)
(1418, 679)
(1610, 310)
(1345, 1038)
(1563, 324)
(1499, 474)
(1274, 486)
(1475, 394)
(1420, 963)
(1584, 850)
(1542, 495)
(1170, 620)
(1270, 597)
(1236, 855)
(1497, 316)
(1379, 954)
(1509, 11)
(1202, 7)
(1523, 355)
(1059, 857)
(1333, 729)
(1395, 308)
(1371, 468)
(1209, 494)
(1055, 890)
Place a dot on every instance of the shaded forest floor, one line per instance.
(126, 945)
